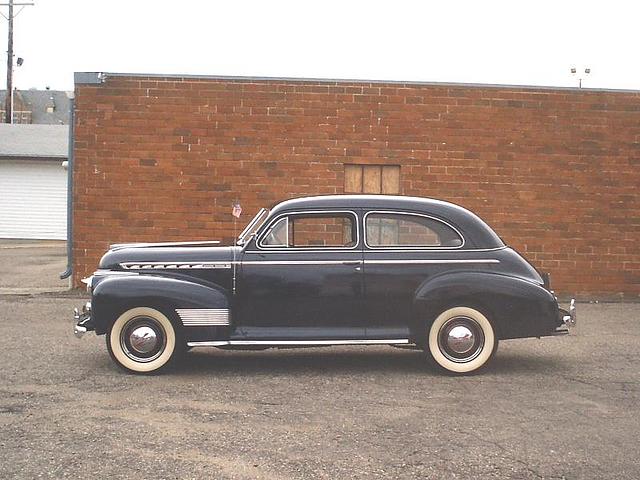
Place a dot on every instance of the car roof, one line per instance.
(473, 227)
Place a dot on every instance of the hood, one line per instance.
(166, 254)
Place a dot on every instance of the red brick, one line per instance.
(554, 171)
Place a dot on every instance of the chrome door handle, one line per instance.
(354, 263)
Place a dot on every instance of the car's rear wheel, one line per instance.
(461, 340)
(143, 340)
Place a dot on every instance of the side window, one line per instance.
(278, 235)
(405, 230)
(313, 230)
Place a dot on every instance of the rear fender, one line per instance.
(115, 294)
(516, 307)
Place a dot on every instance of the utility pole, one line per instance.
(9, 96)
(8, 101)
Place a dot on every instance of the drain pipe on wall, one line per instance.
(67, 273)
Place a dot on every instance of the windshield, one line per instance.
(252, 226)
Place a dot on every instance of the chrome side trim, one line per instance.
(220, 343)
(302, 262)
(386, 250)
(120, 246)
(277, 218)
(418, 262)
(408, 247)
(108, 273)
(367, 262)
(174, 265)
(203, 317)
(166, 266)
(88, 281)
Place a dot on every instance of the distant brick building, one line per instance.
(39, 107)
(554, 171)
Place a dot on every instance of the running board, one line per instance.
(280, 343)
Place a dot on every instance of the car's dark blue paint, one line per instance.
(324, 294)
(301, 297)
(517, 307)
(115, 257)
(113, 294)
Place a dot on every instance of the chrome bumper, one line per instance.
(569, 317)
(83, 320)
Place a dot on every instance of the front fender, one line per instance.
(115, 294)
(516, 307)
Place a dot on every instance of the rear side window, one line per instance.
(313, 230)
(409, 230)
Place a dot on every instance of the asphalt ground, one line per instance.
(32, 266)
(562, 407)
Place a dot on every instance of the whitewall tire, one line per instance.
(142, 340)
(461, 340)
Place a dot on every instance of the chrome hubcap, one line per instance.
(460, 339)
(143, 339)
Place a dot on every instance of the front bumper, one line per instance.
(83, 320)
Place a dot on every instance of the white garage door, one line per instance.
(33, 200)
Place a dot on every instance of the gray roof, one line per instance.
(34, 141)
(37, 101)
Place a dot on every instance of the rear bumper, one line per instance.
(83, 320)
(569, 317)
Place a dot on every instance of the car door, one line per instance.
(301, 278)
(402, 251)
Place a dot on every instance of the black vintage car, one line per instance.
(329, 270)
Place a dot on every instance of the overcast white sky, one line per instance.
(506, 42)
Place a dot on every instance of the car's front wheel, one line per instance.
(143, 340)
(461, 340)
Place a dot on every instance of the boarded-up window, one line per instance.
(372, 179)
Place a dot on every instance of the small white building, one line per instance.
(33, 181)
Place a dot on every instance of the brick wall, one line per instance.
(554, 171)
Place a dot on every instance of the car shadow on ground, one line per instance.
(347, 362)
(298, 361)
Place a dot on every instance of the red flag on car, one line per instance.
(237, 210)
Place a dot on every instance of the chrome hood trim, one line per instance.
(119, 246)
(168, 256)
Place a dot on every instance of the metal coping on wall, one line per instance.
(96, 78)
